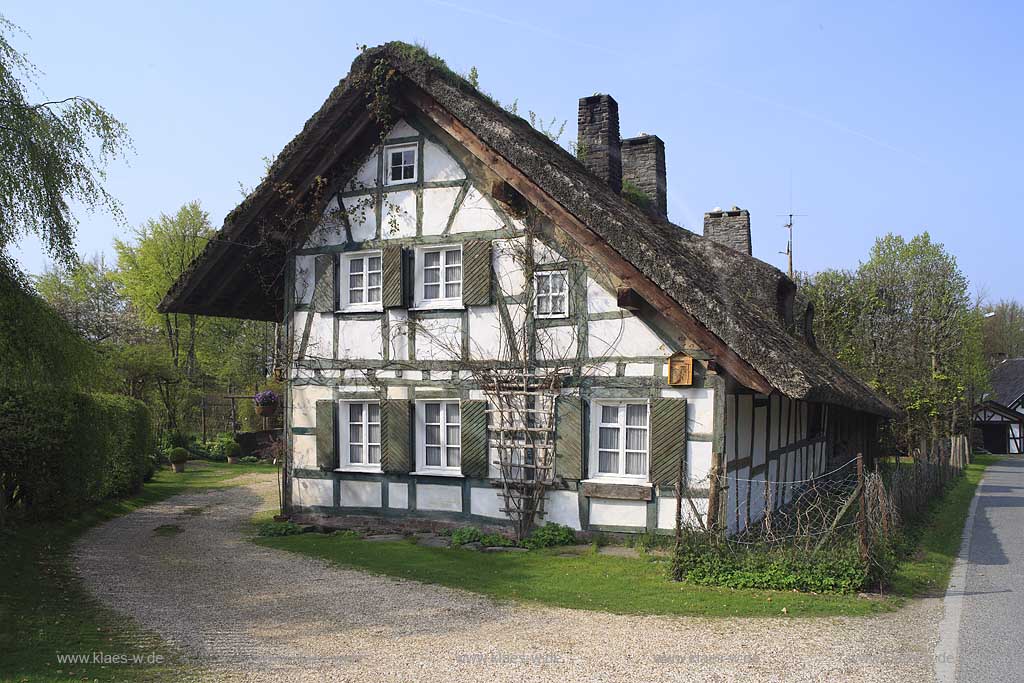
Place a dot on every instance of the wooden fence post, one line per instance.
(862, 518)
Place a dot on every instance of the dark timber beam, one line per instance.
(594, 244)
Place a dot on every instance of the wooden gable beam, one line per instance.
(629, 274)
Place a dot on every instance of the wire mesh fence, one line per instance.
(849, 501)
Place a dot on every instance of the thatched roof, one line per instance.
(1008, 381)
(736, 297)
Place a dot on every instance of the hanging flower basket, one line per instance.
(266, 403)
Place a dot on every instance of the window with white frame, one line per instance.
(400, 164)
(551, 294)
(361, 281)
(440, 437)
(439, 277)
(360, 434)
(619, 440)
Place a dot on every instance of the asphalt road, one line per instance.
(984, 622)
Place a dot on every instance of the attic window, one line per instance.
(401, 164)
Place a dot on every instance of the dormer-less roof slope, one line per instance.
(733, 295)
(1008, 381)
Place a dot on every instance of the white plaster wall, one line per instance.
(437, 207)
(485, 333)
(773, 429)
(607, 512)
(401, 129)
(398, 496)
(330, 229)
(365, 494)
(359, 339)
(304, 398)
(545, 255)
(508, 270)
(366, 176)
(556, 343)
(599, 300)
(562, 507)
(308, 492)
(321, 333)
(439, 338)
(700, 407)
(698, 461)
(362, 217)
(667, 512)
(398, 215)
(304, 451)
(640, 370)
(760, 425)
(398, 333)
(476, 214)
(787, 435)
(626, 337)
(486, 503)
(730, 420)
(1014, 431)
(439, 497)
(438, 165)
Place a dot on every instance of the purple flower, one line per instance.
(266, 398)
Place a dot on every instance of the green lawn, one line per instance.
(642, 585)
(45, 611)
(935, 544)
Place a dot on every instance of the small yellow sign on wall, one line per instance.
(680, 370)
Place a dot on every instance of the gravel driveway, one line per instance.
(245, 613)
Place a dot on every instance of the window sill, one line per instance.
(617, 489)
(355, 468)
(560, 316)
(618, 480)
(453, 474)
(360, 309)
(440, 305)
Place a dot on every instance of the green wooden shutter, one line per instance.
(326, 435)
(476, 273)
(569, 437)
(394, 277)
(396, 442)
(474, 439)
(323, 286)
(668, 439)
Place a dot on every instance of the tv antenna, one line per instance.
(789, 226)
(789, 242)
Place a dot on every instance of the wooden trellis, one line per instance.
(521, 412)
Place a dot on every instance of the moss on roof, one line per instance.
(732, 294)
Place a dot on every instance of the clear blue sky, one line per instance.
(881, 116)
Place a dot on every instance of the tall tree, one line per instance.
(905, 324)
(162, 249)
(1004, 331)
(86, 296)
(55, 153)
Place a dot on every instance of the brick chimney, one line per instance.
(599, 138)
(731, 228)
(643, 165)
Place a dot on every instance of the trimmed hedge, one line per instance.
(62, 450)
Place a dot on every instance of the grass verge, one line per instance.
(623, 585)
(592, 581)
(45, 611)
(933, 544)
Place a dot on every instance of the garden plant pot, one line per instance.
(178, 466)
(267, 410)
(232, 460)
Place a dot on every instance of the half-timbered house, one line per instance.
(426, 250)
(1000, 415)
